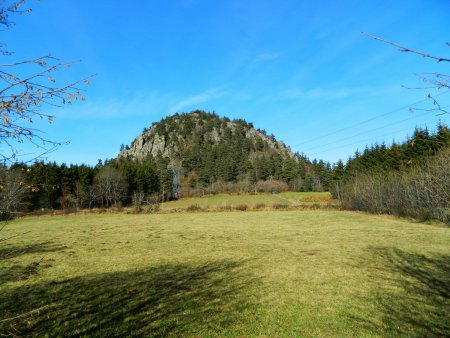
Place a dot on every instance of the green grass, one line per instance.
(226, 200)
(268, 273)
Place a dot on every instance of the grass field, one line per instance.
(291, 199)
(268, 273)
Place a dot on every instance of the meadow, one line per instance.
(223, 201)
(260, 273)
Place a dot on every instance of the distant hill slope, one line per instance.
(203, 149)
(178, 134)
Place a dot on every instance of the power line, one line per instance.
(369, 131)
(368, 120)
(365, 140)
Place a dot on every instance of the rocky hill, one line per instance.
(201, 149)
(173, 136)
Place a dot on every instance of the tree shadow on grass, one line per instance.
(415, 300)
(160, 301)
(20, 272)
(9, 252)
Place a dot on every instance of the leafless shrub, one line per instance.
(138, 200)
(280, 206)
(272, 186)
(422, 192)
(259, 206)
(241, 207)
(239, 187)
(151, 208)
(12, 190)
(193, 207)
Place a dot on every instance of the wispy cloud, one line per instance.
(264, 57)
(140, 104)
(320, 93)
(190, 102)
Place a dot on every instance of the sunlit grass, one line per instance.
(227, 200)
(269, 273)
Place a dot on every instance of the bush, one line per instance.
(422, 192)
(279, 206)
(241, 207)
(151, 208)
(5, 216)
(272, 186)
(259, 206)
(118, 206)
(193, 207)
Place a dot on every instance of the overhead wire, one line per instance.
(369, 131)
(369, 120)
(365, 140)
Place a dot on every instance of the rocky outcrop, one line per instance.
(181, 132)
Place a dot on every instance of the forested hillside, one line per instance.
(409, 179)
(183, 155)
(209, 152)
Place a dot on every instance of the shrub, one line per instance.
(151, 208)
(5, 216)
(259, 206)
(279, 206)
(118, 206)
(271, 186)
(241, 207)
(193, 207)
(422, 192)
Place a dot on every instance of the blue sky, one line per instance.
(301, 70)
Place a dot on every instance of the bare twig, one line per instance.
(26, 314)
(24, 97)
(408, 50)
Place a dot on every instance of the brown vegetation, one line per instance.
(422, 192)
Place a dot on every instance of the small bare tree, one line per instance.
(12, 189)
(111, 186)
(138, 200)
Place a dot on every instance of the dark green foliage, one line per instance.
(207, 153)
(212, 149)
(52, 186)
(400, 156)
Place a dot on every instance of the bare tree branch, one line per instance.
(29, 90)
(437, 80)
(408, 50)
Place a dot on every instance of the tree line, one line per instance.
(52, 186)
(122, 182)
(407, 179)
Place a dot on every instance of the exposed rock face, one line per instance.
(145, 144)
(174, 135)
